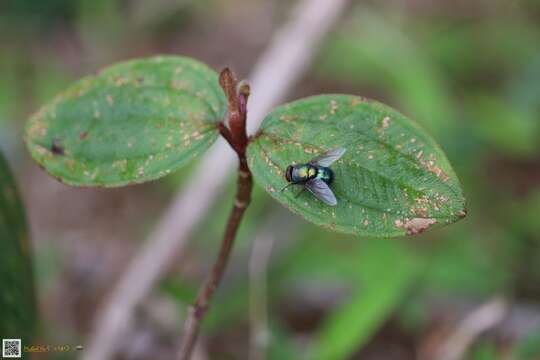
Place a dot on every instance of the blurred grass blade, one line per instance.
(528, 348)
(381, 288)
(17, 299)
(393, 179)
(509, 129)
(133, 122)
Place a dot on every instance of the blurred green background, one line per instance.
(468, 71)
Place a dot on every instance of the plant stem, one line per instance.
(237, 138)
(198, 310)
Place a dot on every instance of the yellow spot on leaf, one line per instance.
(386, 122)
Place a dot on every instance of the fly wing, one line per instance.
(322, 191)
(328, 157)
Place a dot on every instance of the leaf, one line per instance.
(17, 298)
(350, 326)
(133, 122)
(393, 179)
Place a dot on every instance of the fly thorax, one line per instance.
(301, 173)
(312, 172)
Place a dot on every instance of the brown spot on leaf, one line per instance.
(56, 147)
(438, 171)
(356, 100)
(416, 225)
(333, 107)
(119, 81)
(420, 211)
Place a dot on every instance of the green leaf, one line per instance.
(17, 298)
(393, 179)
(133, 122)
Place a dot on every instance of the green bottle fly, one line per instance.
(316, 176)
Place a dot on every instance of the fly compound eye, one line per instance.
(288, 173)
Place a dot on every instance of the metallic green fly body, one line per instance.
(316, 176)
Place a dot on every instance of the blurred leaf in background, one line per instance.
(509, 130)
(18, 312)
(36, 16)
(386, 271)
(370, 50)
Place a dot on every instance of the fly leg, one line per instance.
(298, 194)
(286, 186)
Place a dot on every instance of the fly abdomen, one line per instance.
(325, 174)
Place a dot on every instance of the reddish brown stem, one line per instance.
(237, 96)
(236, 136)
(198, 310)
(224, 131)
